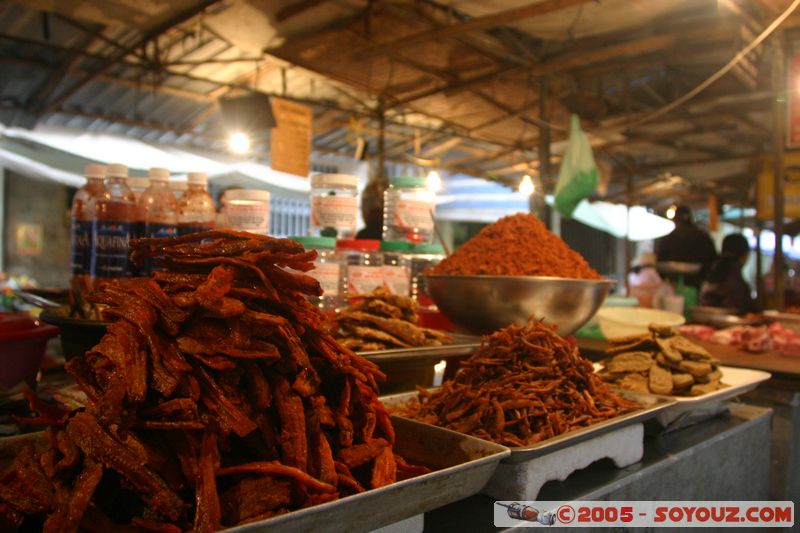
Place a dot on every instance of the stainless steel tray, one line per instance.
(461, 345)
(653, 405)
(464, 466)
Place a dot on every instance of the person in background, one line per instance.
(725, 286)
(643, 279)
(687, 244)
(372, 211)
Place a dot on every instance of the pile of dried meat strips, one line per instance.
(524, 385)
(381, 320)
(216, 398)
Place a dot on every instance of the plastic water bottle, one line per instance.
(196, 211)
(158, 210)
(408, 206)
(114, 220)
(82, 217)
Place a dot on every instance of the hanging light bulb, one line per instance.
(239, 143)
(526, 185)
(671, 212)
(434, 181)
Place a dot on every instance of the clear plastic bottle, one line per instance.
(114, 219)
(158, 210)
(334, 205)
(407, 208)
(138, 184)
(196, 211)
(363, 261)
(82, 217)
(396, 266)
(246, 210)
(328, 270)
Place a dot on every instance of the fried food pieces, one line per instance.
(516, 245)
(216, 398)
(382, 320)
(525, 384)
(661, 362)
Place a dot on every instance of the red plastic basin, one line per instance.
(22, 344)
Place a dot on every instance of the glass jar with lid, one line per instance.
(408, 207)
(363, 262)
(328, 270)
(396, 263)
(423, 257)
(334, 205)
(246, 210)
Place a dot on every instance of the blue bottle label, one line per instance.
(81, 247)
(194, 227)
(159, 230)
(111, 249)
(151, 229)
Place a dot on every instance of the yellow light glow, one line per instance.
(239, 143)
(526, 185)
(671, 212)
(434, 181)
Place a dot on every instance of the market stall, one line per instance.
(418, 288)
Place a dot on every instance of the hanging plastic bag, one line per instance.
(578, 176)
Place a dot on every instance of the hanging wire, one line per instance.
(704, 84)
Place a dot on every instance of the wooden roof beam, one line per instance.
(476, 24)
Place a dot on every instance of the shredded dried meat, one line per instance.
(216, 398)
(525, 384)
(517, 245)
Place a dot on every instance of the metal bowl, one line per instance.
(482, 304)
(78, 335)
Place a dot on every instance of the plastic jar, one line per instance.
(328, 270)
(407, 208)
(423, 257)
(396, 266)
(334, 205)
(246, 210)
(363, 261)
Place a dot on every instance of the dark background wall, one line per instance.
(31, 201)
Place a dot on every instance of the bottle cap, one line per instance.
(197, 177)
(245, 195)
(428, 248)
(138, 182)
(316, 243)
(158, 174)
(94, 170)
(409, 182)
(178, 185)
(395, 246)
(116, 170)
(333, 181)
(363, 245)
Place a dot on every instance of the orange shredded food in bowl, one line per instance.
(516, 245)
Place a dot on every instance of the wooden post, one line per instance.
(778, 127)
(380, 171)
(628, 251)
(536, 202)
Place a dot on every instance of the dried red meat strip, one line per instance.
(154, 526)
(100, 446)
(25, 486)
(360, 454)
(385, 470)
(68, 515)
(406, 470)
(277, 469)
(294, 445)
(207, 510)
(229, 414)
(252, 498)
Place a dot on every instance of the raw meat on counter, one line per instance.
(757, 339)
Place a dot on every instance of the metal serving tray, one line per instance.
(653, 405)
(461, 345)
(464, 464)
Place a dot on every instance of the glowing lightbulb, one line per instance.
(526, 185)
(239, 143)
(671, 212)
(434, 181)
